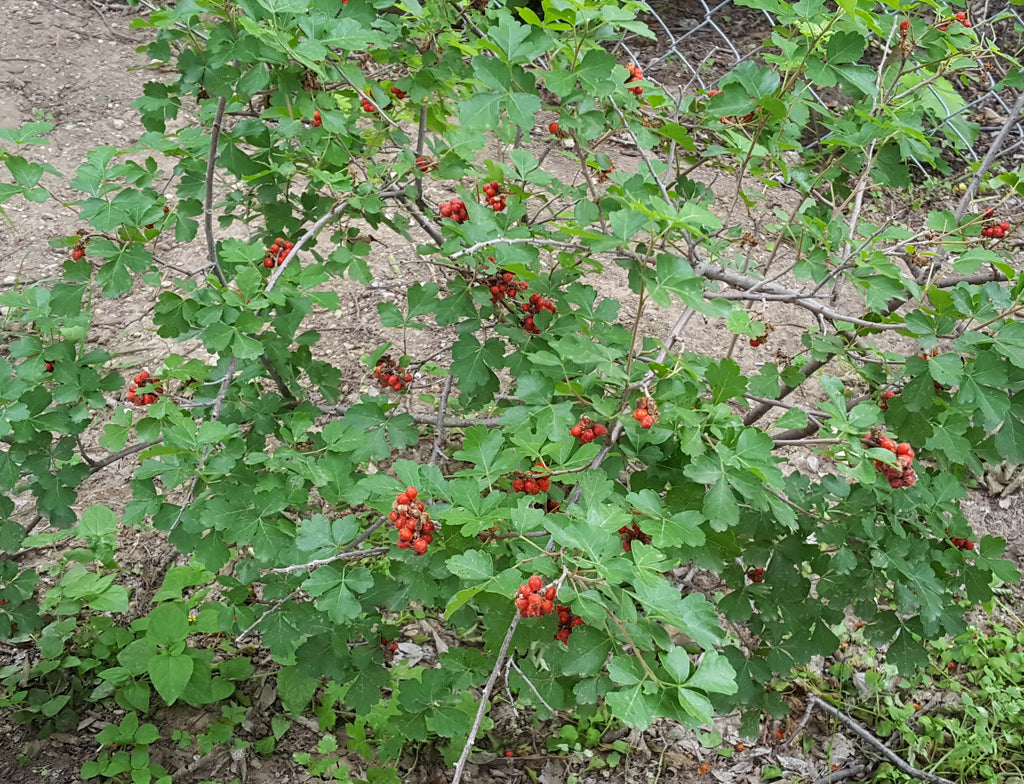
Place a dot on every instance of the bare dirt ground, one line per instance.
(75, 63)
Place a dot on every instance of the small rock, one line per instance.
(118, 125)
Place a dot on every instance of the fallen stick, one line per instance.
(874, 742)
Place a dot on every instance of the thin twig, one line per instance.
(990, 157)
(273, 608)
(99, 464)
(218, 404)
(515, 241)
(806, 441)
(313, 230)
(348, 555)
(211, 165)
(514, 666)
(485, 695)
(442, 408)
(862, 733)
(849, 772)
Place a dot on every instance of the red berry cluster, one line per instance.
(415, 528)
(998, 231)
(495, 197)
(534, 600)
(536, 304)
(425, 164)
(388, 645)
(567, 621)
(317, 122)
(147, 398)
(368, 106)
(904, 28)
(399, 94)
(391, 375)
(634, 534)
(79, 252)
(586, 431)
(755, 575)
(276, 253)
(646, 412)
(902, 474)
(887, 395)
(635, 75)
(556, 130)
(504, 284)
(454, 209)
(602, 176)
(960, 17)
(531, 484)
(963, 544)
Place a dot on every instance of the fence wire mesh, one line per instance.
(698, 42)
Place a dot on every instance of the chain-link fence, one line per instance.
(698, 42)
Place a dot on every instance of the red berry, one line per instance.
(555, 129)
(317, 122)
(586, 436)
(599, 430)
(518, 484)
(904, 25)
(535, 583)
(411, 493)
(49, 366)
(78, 253)
(549, 594)
(268, 263)
(420, 546)
(576, 431)
(530, 487)
(887, 443)
(1005, 226)
(647, 423)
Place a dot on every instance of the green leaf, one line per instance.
(98, 521)
(906, 653)
(633, 706)
(720, 506)
(485, 449)
(167, 624)
(474, 364)
(296, 689)
(178, 578)
(715, 674)
(170, 674)
(472, 565)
